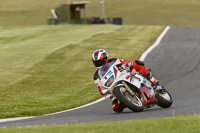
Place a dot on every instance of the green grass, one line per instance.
(46, 69)
(178, 124)
(133, 12)
(152, 12)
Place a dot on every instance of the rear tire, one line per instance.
(134, 103)
(164, 99)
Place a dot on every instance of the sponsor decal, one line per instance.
(109, 73)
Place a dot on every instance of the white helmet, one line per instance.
(100, 57)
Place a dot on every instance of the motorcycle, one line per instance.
(132, 89)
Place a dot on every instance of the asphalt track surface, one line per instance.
(175, 62)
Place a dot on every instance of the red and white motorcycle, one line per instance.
(132, 89)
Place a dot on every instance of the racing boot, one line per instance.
(151, 78)
(154, 81)
(117, 106)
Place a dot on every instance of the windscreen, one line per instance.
(103, 70)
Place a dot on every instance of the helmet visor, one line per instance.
(99, 63)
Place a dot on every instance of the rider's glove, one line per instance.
(122, 66)
(119, 66)
(125, 65)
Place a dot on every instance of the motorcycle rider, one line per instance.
(100, 57)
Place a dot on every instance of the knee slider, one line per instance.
(117, 107)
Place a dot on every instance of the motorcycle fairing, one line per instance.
(146, 89)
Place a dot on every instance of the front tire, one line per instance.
(164, 98)
(134, 103)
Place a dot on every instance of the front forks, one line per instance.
(129, 90)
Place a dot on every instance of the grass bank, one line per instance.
(177, 124)
(46, 69)
(133, 12)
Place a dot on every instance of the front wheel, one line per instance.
(134, 103)
(164, 98)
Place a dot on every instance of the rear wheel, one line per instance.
(164, 98)
(133, 102)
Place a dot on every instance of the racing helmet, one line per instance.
(100, 57)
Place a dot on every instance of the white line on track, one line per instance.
(15, 119)
(144, 55)
(86, 105)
